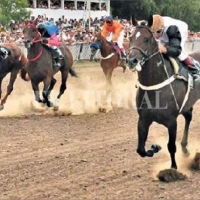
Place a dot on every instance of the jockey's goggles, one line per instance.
(108, 22)
(159, 31)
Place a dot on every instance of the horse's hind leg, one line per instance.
(184, 141)
(63, 87)
(53, 82)
(13, 77)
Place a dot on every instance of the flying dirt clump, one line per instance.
(170, 175)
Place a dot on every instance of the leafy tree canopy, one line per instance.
(188, 11)
(13, 10)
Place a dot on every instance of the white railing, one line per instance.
(81, 51)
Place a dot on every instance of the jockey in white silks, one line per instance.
(171, 35)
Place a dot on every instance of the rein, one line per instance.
(37, 57)
(109, 55)
(35, 40)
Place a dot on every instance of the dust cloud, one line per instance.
(86, 94)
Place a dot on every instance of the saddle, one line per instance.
(181, 71)
(55, 56)
(116, 49)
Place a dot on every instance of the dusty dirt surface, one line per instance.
(87, 155)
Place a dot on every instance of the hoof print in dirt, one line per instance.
(171, 175)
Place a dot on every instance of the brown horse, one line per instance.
(110, 58)
(40, 65)
(161, 96)
(12, 60)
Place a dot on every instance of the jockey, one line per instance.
(50, 33)
(171, 35)
(112, 30)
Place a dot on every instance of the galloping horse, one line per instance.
(40, 65)
(11, 63)
(161, 97)
(110, 58)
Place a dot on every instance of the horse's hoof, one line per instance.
(150, 153)
(1, 107)
(156, 148)
(56, 104)
(50, 104)
(56, 108)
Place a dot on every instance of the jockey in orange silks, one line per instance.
(114, 31)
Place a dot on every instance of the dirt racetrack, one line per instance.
(87, 155)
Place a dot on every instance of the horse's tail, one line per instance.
(73, 73)
(24, 74)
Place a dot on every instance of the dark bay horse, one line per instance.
(11, 63)
(110, 59)
(40, 65)
(160, 97)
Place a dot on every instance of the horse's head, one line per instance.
(143, 46)
(98, 38)
(31, 34)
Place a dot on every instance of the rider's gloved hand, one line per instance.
(45, 41)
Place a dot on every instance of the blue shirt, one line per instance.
(51, 28)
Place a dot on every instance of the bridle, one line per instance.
(35, 40)
(146, 55)
(108, 44)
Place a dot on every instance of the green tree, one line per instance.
(188, 11)
(13, 10)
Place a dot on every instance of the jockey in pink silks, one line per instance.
(50, 32)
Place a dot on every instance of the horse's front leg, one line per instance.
(35, 87)
(172, 129)
(45, 92)
(13, 77)
(143, 130)
(184, 141)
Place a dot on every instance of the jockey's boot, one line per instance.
(59, 52)
(194, 67)
(58, 58)
(93, 52)
(56, 63)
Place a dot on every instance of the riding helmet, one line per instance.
(108, 18)
(158, 23)
(41, 27)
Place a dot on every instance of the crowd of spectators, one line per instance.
(71, 30)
